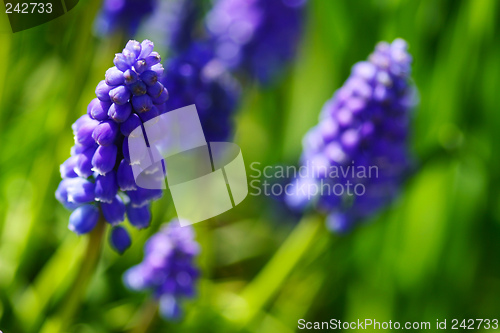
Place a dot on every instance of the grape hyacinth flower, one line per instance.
(97, 177)
(123, 15)
(361, 141)
(168, 268)
(182, 19)
(195, 77)
(257, 36)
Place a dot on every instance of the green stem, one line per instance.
(146, 317)
(79, 286)
(266, 284)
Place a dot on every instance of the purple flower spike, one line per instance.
(93, 179)
(170, 253)
(105, 133)
(257, 36)
(106, 187)
(104, 159)
(114, 212)
(83, 219)
(363, 129)
(120, 239)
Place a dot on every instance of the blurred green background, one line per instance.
(433, 255)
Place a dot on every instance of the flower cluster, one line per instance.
(195, 77)
(182, 18)
(258, 36)
(97, 178)
(123, 15)
(365, 124)
(168, 268)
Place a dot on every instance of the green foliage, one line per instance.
(432, 255)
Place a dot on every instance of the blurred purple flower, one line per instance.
(364, 125)
(123, 15)
(195, 77)
(168, 269)
(257, 36)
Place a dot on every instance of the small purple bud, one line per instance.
(83, 128)
(67, 168)
(114, 77)
(149, 77)
(158, 69)
(81, 191)
(104, 159)
(169, 307)
(134, 46)
(139, 217)
(99, 110)
(84, 164)
(148, 115)
(120, 95)
(142, 196)
(147, 47)
(339, 222)
(78, 148)
(140, 66)
(114, 212)
(62, 193)
(130, 124)
(120, 239)
(125, 177)
(83, 219)
(153, 59)
(90, 106)
(105, 133)
(162, 98)
(120, 113)
(155, 90)
(138, 88)
(120, 62)
(129, 57)
(142, 103)
(130, 76)
(106, 187)
(102, 91)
